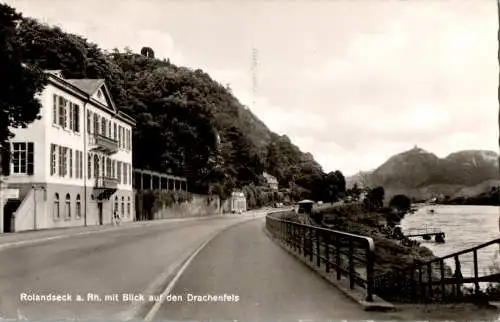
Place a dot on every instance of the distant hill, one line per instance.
(422, 175)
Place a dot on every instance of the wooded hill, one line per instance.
(187, 123)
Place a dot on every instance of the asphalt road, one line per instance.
(253, 277)
(255, 280)
(134, 260)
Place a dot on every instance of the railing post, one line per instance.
(318, 248)
(311, 249)
(422, 290)
(429, 279)
(370, 262)
(413, 291)
(476, 272)
(458, 276)
(337, 257)
(351, 264)
(327, 252)
(443, 284)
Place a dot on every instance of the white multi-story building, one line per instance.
(73, 166)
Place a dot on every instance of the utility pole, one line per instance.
(255, 63)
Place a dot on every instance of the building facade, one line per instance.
(73, 166)
(272, 182)
(238, 202)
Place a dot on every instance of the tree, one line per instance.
(18, 103)
(375, 199)
(401, 202)
(355, 192)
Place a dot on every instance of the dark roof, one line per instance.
(89, 86)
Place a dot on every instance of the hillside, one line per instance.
(422, 175)
(197, 127)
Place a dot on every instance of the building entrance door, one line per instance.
(10, 207)
(99, 207)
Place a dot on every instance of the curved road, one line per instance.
(254, 277)
(123, 260)
(270, 284)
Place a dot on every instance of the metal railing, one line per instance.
(106, 182)
(340, 253)
(436, 282)
(103, 143)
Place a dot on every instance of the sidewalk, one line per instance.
(33, 236)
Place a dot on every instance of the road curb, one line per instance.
(358, 297)
(68, 234)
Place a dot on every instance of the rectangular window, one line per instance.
(62, 112)
(97, 165)
(65, 161)
(113, 169)
(108, 168)
(89, 122)
(119, 172)
(125, 176)
(129, 174)
(103, 126)
(114, 132)
(54, 109)
(123, 138)
(53, 159)
(120, 137)
(109, 129)
(22, 157)
(70, 163)
(89, 165)
(102, 166)
(96, 124)
(76, 116)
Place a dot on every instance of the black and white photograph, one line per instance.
(266, 160)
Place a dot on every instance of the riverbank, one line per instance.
(393, 251)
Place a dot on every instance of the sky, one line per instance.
(351, 81)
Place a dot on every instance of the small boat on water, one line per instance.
(430, 211)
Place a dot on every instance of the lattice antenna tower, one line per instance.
(255, 65)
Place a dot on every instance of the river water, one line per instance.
(464, 227)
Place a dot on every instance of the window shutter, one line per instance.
(70, 163)
(31, 158)
(5, 151)
(54, 110)
(52, 159)
(61, 169)
(89, 122)
(71, 115)
(76, 114)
